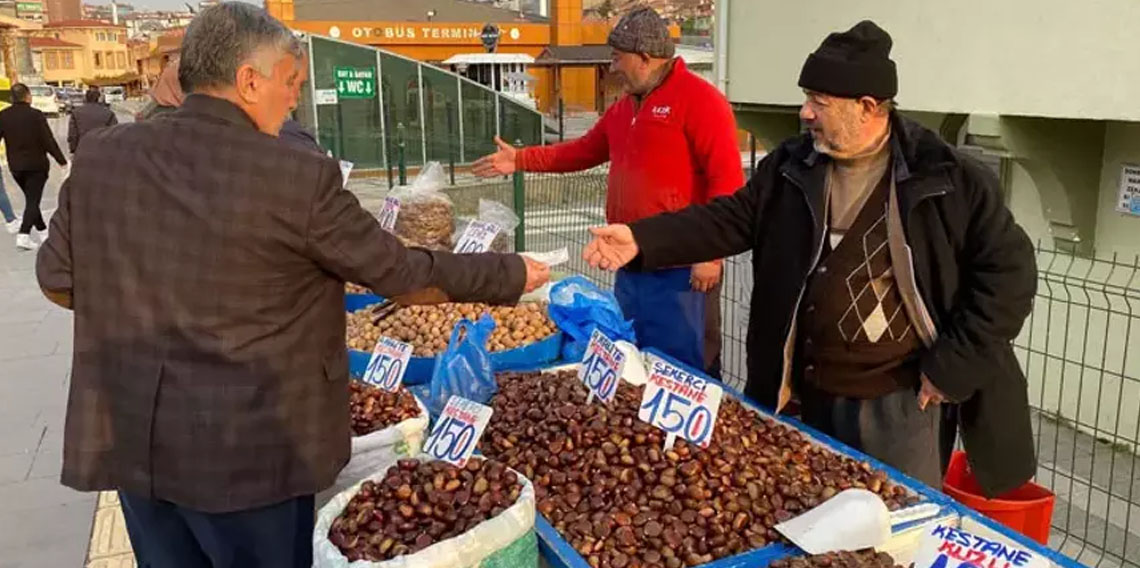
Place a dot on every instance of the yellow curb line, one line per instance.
(110, 545)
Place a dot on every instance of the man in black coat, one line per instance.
(90, 115)
(890, 278)
(29, 139)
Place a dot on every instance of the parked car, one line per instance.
(43, 99)
(68, 98)
(114, 94)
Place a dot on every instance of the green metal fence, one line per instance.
(379, 109)
(1077, 349)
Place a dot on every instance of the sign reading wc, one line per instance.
(355, 82)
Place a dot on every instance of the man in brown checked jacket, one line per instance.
(205, 260)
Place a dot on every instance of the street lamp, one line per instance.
(430, 14)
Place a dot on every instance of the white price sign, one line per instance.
(457, 431)
(477, 237)
(388, 364)
(345, 171)
(601, 367)
(389, 212)
(680, 403)
(948, 547)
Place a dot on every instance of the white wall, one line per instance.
(1053, 58)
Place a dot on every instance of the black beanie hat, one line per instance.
(855, 63)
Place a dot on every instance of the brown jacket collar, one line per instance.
(220, 109)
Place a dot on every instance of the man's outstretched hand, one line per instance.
(537, 274)
(612, 248)
(500, 163)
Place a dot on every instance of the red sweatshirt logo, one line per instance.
(661, 112)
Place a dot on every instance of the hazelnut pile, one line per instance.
(603, 481)
(350, 288)
(428, 328)
(418, 504)
(372, 408)
(857, 559)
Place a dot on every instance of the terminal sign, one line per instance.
(355, 82)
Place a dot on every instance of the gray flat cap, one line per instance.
(642, 31)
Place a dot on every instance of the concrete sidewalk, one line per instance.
(42, 523)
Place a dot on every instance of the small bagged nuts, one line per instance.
(428, 328)
(428, 222)
(418, 504)
(858, 559)
(603, 481)
(372, 408)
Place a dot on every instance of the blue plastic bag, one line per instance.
(578, 307)
(464, 368)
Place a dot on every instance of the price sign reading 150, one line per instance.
(457, 431)
(680, 403)
(601, 367)
(388, 364)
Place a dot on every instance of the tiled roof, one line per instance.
(42, 42)
(82, 24)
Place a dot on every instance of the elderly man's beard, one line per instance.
(838, 143)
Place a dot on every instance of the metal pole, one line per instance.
(520, 207)
(752, 151)
(402, 162)
(451, 141)
(561, 119)
(383, 118)
(388, 154)
(423, 117)
(459, 115)
(311, 85)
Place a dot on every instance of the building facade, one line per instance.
(85, 52)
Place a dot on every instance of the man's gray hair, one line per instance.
(226, 36)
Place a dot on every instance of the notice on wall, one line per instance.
(1129, 201)
(325, 96)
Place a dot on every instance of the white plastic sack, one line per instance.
(468, 550)
(371, 451)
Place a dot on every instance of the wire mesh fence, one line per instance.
(1084, 382)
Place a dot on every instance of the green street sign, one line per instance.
(355, 82)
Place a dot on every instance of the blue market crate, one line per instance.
(353, 302)
(558, 553)
(420, 368)
(527, 357)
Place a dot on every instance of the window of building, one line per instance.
(51, 60)
(67, 60)
(99, 36)
(109, 57)
(121, 59)
(98, 60)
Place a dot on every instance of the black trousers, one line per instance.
(890, 428)
(165, 535)
(32, 184)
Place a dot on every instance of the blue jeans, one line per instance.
(5, 205)
(667, 313)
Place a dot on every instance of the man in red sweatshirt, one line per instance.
(671, 143)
